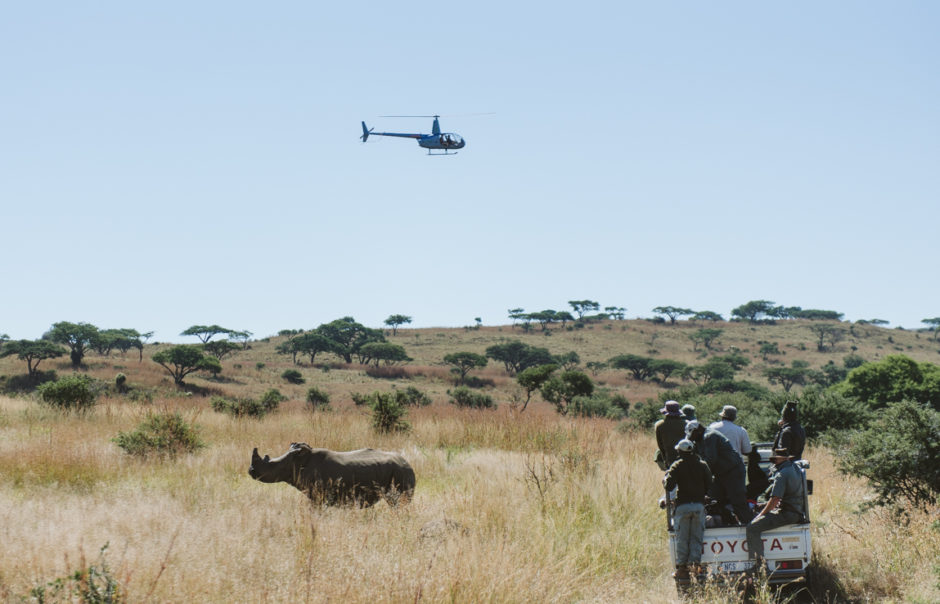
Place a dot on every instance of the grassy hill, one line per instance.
(509, 507)
(249, 372)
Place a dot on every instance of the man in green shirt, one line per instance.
(784, 507)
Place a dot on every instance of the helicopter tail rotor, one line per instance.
(365, 132)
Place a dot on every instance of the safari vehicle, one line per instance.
(787, 549)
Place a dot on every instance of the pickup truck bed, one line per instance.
(787, 549)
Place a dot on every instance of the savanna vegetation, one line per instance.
(125, 473)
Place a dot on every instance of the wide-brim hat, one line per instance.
(781, 453)
(729, 412)
(671, 408)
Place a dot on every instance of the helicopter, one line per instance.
(446, 141)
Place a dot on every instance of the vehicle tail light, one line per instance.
(789, 565)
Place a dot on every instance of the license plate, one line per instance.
(733, 567)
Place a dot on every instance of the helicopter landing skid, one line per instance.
(444, 153)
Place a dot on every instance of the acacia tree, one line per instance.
(560, 390)
(516, 314)
(463, 362)
(533, 378)
(788, 377)
(640, 367)
(706, 315)
(583, 306)
(615, 312)
(826, 332)
(77, 336)
(517, 356)
(665, 368)
(934, 326)
(544, 317)
(241, 336)
(33, 352)
(206, 332)
(707, 336)
(394, 321)
(348, 336)
(382, 351)
(756, 310)
(715, 369)
(673, 312)
(311, 343)
(183, 359)
(221, 348)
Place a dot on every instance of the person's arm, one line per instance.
(669, 481)
(746, 444)
(771, 506)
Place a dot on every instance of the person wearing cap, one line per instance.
(790, 436)
(735, 434)
(785, 505)
(728, 487)
(692, 478)
(689, 412)
(669, 431)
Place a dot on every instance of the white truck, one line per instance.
(787, 550)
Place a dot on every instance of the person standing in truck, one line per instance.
(726, 465)
(735, 434)
(692, 479)
(790, 436)
(669, 431)
(785, 505)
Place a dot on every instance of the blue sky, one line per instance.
(191, 163)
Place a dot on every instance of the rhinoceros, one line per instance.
(359, 477)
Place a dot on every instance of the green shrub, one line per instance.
(823, 411)
(259, 365)
(620, 401)
(120, 383)
(412, 397)
(899, 455)
(240, 407)
(465, 397)
(92, 585)
(387, 413)
(318, 399)
(293, 376)
(76, 392)
(647, 413)
(165, 434)
(272, 398)
(595, 405)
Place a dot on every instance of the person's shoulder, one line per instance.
(716, 425)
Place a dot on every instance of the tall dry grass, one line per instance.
(509, 507)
